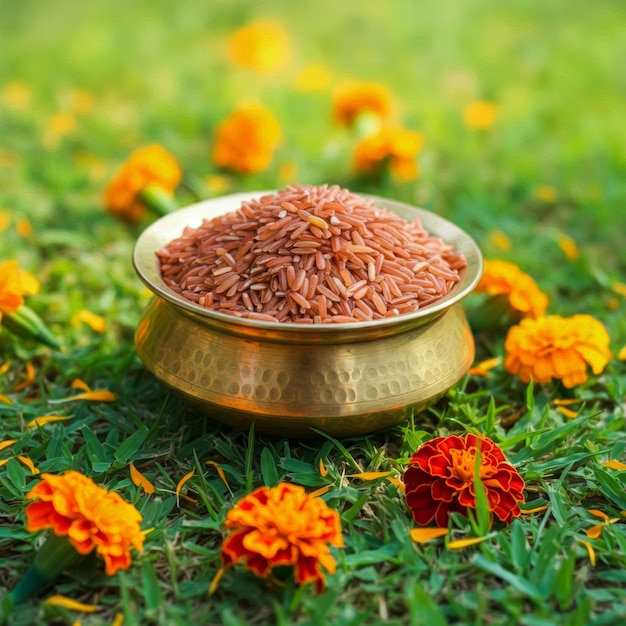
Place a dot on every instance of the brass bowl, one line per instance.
(343, 379)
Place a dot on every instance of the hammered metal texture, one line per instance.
(286, 389)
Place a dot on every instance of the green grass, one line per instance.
(156, 73)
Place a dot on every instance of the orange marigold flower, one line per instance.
(501, 278)
(557, 347)
(440, 479)
(397, 148)
(480, 114)
(262, 46)
(246, 140)
(91, 517)
(351, 99)
(283, 525)
(15, 283)
(151, 166)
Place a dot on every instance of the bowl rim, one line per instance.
(170, 226)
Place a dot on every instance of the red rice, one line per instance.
(310, 254)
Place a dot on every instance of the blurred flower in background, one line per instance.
(352, 99)
(262, 46)
(556, 347)
(313, 77)
(246, 140)
(394, 148)
(145, 180)
(480, 114)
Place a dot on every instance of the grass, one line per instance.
(123, 75)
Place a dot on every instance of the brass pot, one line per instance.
(343, 379)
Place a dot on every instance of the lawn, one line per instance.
(535, 177)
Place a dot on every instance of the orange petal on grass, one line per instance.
(3, 462)
(4, 368)
(322, 469)
(183, 480)
(616, 465)
(5, 400)
(95, 396)
(6, 443)
(370, 475)
(216, 580)
(320, 492)
(118, 620)
(68, 603)
(600, 514)
(595, 531)
(567, 412)
(219, 470)
(29, 380)
(621, 355)
(481, 369)
(459, 544)
(45, 419)
(140, 480)
(590, 551)
(397, 482)
(565, 401)
(96, 322)
(421, 535)
(77, 383)
(537, 509)
(29, 464)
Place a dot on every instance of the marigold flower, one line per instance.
(313, 77)
(397, 148)
(261, 46)
(15, 283)
(440, 480)
(91, 517)
(148, 167)
(283, 525)
(501, 278)
(245, 141)
(557, 347)
(480, 114)
(351, 99)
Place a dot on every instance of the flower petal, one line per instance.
(70, 604)
(140, 480)
(590, 551)
(421, 535)
(459, 544)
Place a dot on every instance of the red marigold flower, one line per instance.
(91, 517)
(440, 479)
(149, 167)
(283, 525)
(501, 278)
(557, 347)
(246, 140)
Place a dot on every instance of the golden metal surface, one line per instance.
(343, 379)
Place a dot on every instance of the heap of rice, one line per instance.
(310, 254)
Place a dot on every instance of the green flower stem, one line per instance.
(157, 199)
(27, 324)
(55, 556)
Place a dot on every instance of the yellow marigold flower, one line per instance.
(5, 220)
(396, 148)
(480, 114)
(261, 46)
(351, 99)
(245, 141)
(91, 517)
(151, 166)
(313, 77)
(282, 525)
(15, 283)
(500, 239)
(16, 96)
(59, 125)
(545, 193)
(504, 278)
(557, 347)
